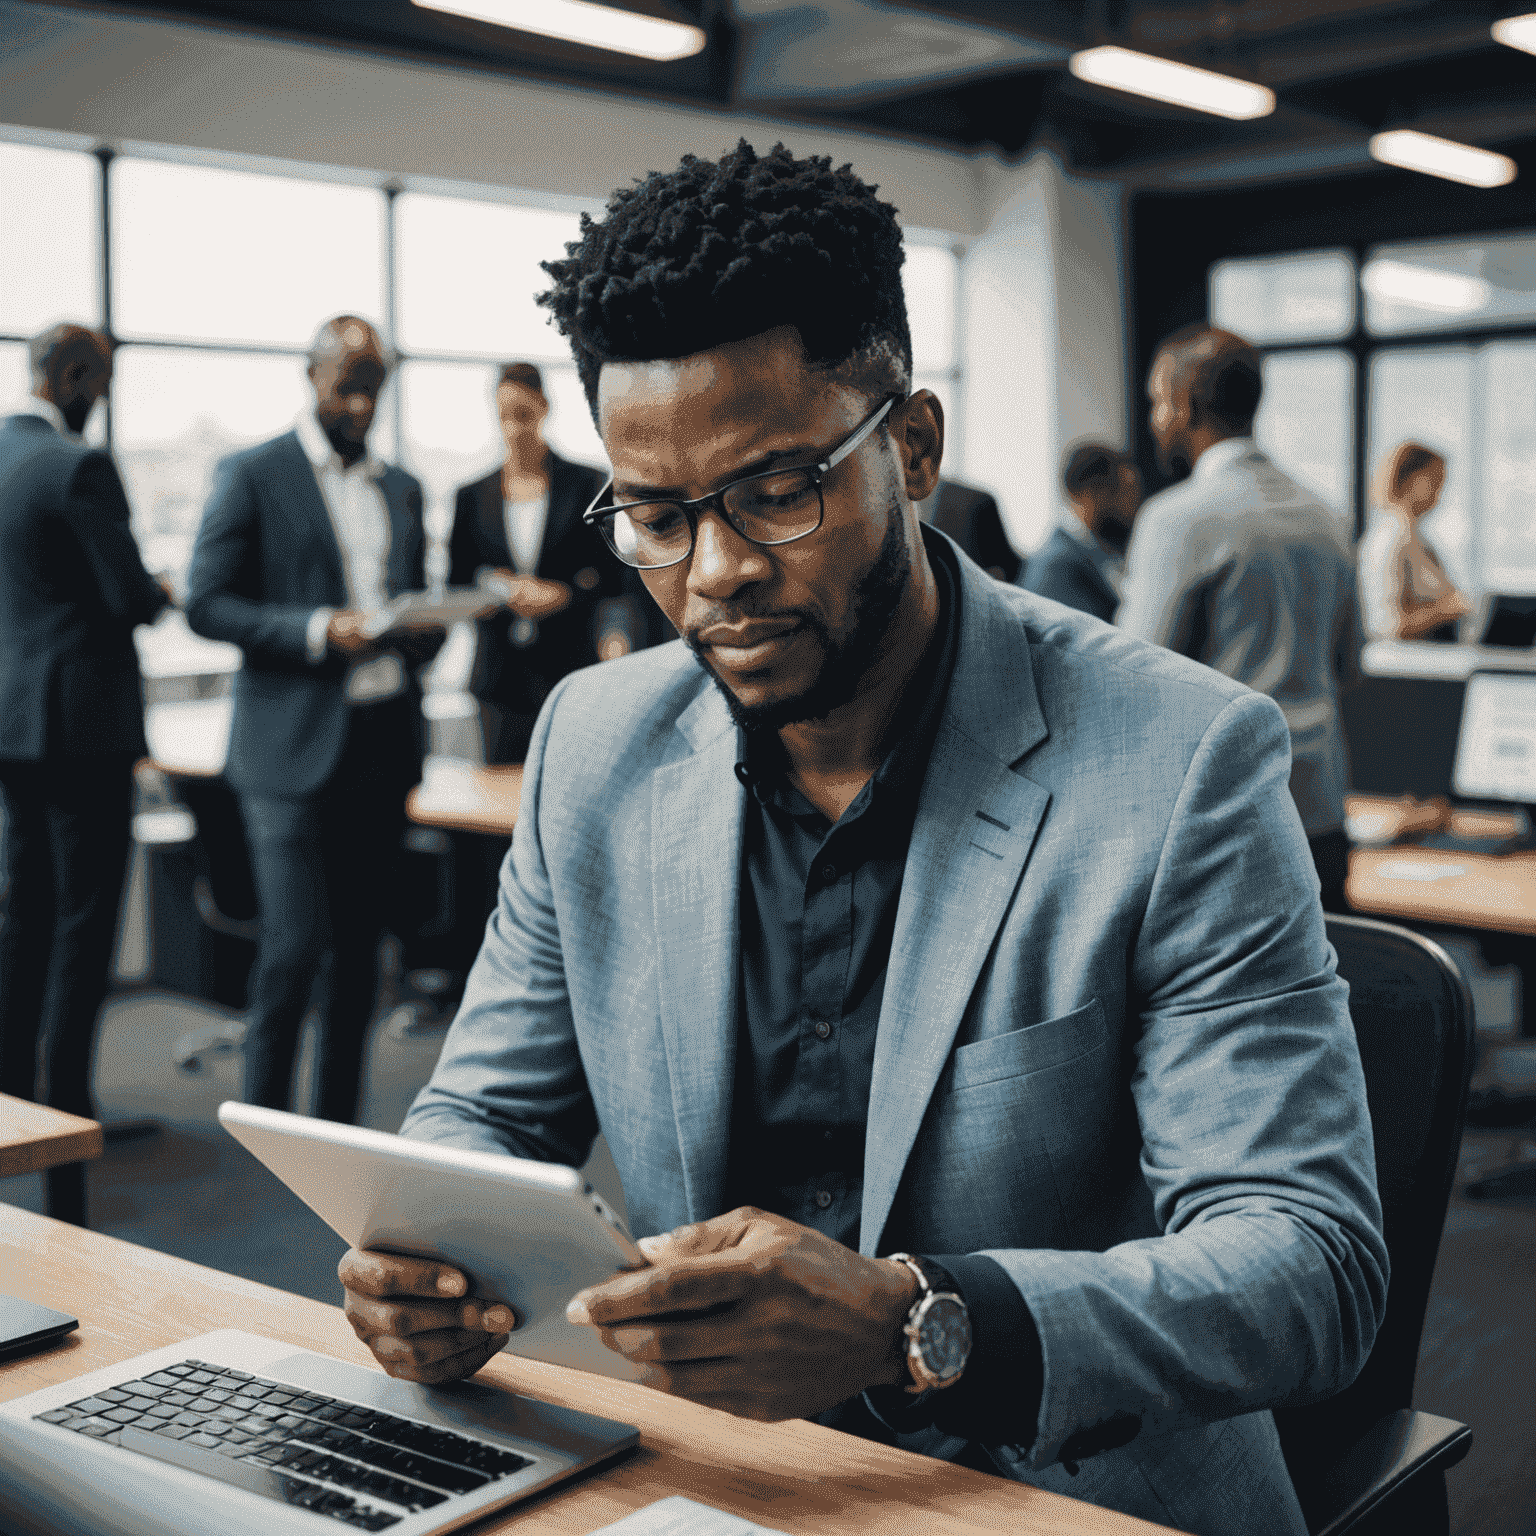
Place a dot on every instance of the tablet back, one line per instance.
(529, 1234)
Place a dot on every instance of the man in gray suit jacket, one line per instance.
(304, 540)
(942, 967)
(1242, 569)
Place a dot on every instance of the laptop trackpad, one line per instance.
(471, 1406)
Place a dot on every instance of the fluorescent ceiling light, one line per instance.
(577, 21)
(1181, 84)
(1425, 288)
(1517, 32)
(1415, 151)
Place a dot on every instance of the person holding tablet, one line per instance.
(943, 969)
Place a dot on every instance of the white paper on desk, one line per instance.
(1418, 869)
(678, 1516)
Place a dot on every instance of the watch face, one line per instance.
(944, 1337)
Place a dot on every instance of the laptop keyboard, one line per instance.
(361, 1467)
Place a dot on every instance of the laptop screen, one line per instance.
(1496, 749)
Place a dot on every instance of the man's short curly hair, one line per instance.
(717, 251)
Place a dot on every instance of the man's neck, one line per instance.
(831, 760)
(1203, 439)
(526, 461)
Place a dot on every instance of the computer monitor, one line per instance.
(1512, 623)
(1496, 747)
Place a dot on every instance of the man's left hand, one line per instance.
(757, 1315)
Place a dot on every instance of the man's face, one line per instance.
(1169, 419)
(347, 382)
(83, 376)
(786, 632)
(521, 412)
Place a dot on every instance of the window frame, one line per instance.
(1364, 345)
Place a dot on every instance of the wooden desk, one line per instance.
(794, 1477)
(34, 1137)
(1494, 892)
(468, 799)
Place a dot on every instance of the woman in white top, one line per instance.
(1405, 593)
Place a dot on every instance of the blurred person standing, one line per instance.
(1405, 592)
(1240, 568)
(1082, 564)
(304, 540)
(522, 524)
(72, 588)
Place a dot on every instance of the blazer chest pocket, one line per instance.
(1031, 1049)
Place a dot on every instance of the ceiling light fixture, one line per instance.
(1415, 151)
(1180, 84)
(1401, 282)
(577, 21)
(1517, 32)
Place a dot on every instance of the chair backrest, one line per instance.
(1413, 1020)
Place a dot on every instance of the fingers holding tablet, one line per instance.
(412, 1314)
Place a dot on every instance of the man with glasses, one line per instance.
(942, 968)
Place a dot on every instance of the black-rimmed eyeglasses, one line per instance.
(774, 507)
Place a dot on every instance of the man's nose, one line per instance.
(723, 561)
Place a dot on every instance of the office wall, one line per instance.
(1044, 335)
(1042, 283)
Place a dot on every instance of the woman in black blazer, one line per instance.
(570, 603)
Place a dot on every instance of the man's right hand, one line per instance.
(412, 1315)
(345, 632)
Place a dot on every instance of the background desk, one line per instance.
(794, 1477)
(460, 797)
(34, 1137)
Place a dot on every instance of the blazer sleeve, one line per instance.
(510, 1077)
(96, 510)
(1269, 1280)
(225, 600)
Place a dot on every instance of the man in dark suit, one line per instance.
(72, 588)
(970, 517)
(304, 540)
(1083, 561)
(568, 601)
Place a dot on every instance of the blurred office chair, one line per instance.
(1364, 1462)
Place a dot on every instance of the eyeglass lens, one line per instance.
(766, 509)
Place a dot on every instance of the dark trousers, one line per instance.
(67, 824)
(1330, 855)
(325, 868)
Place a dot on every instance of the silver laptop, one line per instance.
(246, 1436)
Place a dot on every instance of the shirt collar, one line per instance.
(33, 405)
(1220, 456)
(906, 760)
(318, 450)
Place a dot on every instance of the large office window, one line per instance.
(1430, 341)
(219, 275)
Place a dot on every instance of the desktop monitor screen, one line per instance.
(1496, 750)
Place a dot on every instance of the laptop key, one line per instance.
(259, 1479)
(173, 1431)
(121, 1415)
(162, 1379)
(90, 1405)
(197, 1439)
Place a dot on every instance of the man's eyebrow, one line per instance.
(629, 490)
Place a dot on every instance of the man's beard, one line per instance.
(876, 597)
(76, 413)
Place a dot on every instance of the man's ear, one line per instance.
(920, 437)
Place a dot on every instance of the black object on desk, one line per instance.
(1512, 624)
(26, 1328)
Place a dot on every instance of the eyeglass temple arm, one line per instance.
(832, 460)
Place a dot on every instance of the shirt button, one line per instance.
(828, 873)
(823, 1198)
(823, 1030)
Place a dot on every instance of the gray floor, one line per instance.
(194, 1192)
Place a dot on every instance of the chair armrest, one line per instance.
(1396, 1451)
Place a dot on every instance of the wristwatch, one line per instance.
(938, 1328)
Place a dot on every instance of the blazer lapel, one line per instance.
(696, 825)
(976, 824)
(493, 527)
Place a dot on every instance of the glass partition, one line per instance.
(1450, 285)
(50, 238)
(1306, 422)
(1307, 297)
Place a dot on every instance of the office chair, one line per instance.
(1363, 1461)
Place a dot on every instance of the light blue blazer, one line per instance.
(1113, 1053)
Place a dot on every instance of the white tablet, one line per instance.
(529, 1234)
